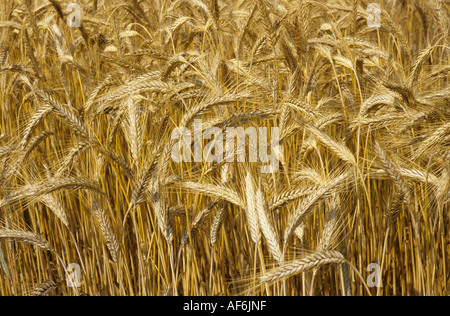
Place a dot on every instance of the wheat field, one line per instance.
(358, 204)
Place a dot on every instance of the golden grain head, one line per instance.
(219, 147)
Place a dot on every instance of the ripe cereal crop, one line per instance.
(219, 147)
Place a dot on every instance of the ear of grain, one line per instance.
(69, 158)
(51, 186)
(58, 8)
(213, 191)
(245, 28)
(313, 261)
(162, 213)
(299, 106)
(64, 112)
(418, 65)
(267, 22)
(4, 263)
(25, 152)
(33, 123)
(266, 227)
(198, 221)
(376, 101)
(339, 149)
(433, 139)
(392, 170)
(225, 174)
(308, 204)
(217, 222)
(106, 231)
(395, 208)
(189, 116)
(5, 150)
(307, 174)
(115, 158)
(245, 117)
(44, 288)
(250, 208)
(331, 225)
(290, 195)
(26, 237)
(56, 207)
(171, 65)
(443, 191)
(134, 129)
(143, 182)
(95, 92)
(148, 86)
